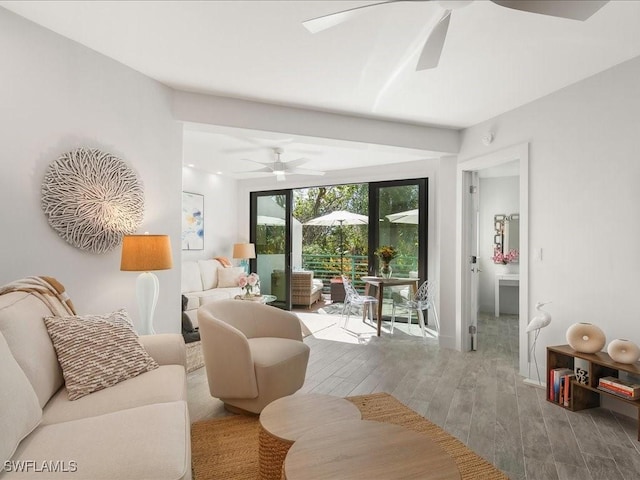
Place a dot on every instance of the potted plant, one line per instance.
(386, 253)
(504, 258)
(249, 283)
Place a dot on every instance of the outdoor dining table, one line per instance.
(379, 283)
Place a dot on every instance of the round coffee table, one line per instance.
(285, 420)
(364, 449)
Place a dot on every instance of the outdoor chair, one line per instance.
(423, 300)
(352, 297)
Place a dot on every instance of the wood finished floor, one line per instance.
(476, 396)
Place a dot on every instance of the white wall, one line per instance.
(220, 213)
(498, 195)
(583, 201)
(57, 95)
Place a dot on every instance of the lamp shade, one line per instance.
(244, 250)
(142, 253)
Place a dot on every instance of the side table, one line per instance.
(285, 420)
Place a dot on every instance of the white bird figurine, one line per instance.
(539, 321)
(536, 323)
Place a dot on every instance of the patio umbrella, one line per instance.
(409, 216)
(267, 220)
(340, 218)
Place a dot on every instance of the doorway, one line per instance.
(468, 250)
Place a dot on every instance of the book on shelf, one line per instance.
(566, 400)
(609, 384)
(556, 382)
(618, 393)
(625, 385)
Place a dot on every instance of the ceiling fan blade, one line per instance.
(255, 161)
(304, 171)
(295, 163)
(430, 55)
(259, 170)
(324, 22)
(556, 8)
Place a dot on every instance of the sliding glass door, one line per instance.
(398, 218)
(271, 233)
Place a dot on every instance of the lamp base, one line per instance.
(147, 288)
(244, 263)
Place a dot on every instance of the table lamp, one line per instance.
(143, 253)
(244, 251)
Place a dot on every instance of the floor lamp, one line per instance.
(244, 251)
(535, 325)
(143, 253)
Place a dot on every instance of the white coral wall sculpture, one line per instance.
(92, 199)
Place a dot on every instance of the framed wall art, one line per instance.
(192, 221)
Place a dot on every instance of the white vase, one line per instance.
(623, 351)
(585, 338)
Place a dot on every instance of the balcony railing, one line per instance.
(326, 267)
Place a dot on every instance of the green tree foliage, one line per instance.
(310, 203)
(314, 202)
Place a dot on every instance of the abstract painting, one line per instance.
(192, 221)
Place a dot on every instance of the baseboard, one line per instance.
(534, 383)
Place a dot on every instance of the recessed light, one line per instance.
(190, 165)
(218, 173)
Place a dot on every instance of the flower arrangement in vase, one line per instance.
(250, 284)
(504, 258)
(386, 253)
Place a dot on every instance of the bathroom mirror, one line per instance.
(512, 233)
(506, 235)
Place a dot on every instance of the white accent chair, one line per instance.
(352, 297)
(253, 353)
(423, 300)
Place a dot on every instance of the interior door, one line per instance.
(471, 270)
(270, 231)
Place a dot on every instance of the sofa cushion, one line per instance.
(191, 280)
(219, 294)
(165, 384)
(97, 351)
(20, 412)
(209, 273)
(149, 442)
(228, 277)
(22, 324)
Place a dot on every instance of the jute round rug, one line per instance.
(227, 448)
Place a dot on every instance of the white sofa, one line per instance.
(136, 429)
(200, 285)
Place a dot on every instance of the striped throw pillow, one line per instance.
(97, 351)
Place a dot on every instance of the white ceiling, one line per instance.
(494, 59)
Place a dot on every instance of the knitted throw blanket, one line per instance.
(47, 290)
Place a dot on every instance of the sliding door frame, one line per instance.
(253, 224)
(423, 217)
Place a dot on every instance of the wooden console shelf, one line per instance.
(588, 395)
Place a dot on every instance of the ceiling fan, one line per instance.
(430, 56)
(280, 168)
